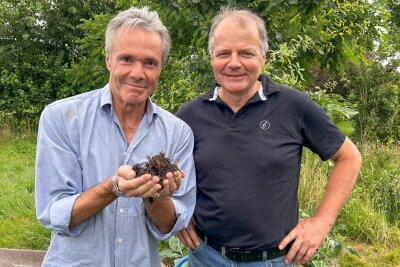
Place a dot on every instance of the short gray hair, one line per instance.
(247, 14)
(142, 18)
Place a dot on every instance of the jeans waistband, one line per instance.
(239, 255)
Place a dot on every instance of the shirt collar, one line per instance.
(260, 93)
(267, 88)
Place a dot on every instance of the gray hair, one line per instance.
(246, 14)
(142, 18)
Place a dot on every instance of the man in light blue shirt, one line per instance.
(100, 213)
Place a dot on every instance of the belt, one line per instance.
(239, 255)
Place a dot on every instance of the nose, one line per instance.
(137, 71)
(234, 61)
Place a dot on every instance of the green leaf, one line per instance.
(318, 263)
(345, 127)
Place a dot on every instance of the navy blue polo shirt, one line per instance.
(248, 162)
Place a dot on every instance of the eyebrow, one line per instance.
(247, 49)
(124, 55)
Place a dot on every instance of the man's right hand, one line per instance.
(189, 237)
(132, 186)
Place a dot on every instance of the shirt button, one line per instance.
(120, 240)
(121, 211)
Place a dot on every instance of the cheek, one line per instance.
(254, 67)
(153, 78)
(217, 65)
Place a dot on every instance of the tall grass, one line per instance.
(18, 226)
(372, 212)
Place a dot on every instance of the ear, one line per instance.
(263, 58)
(108, 62)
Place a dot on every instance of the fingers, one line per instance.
(143, 186)
(189, 237)
(171, 183)
(146, 185)
(288, 238)
(126, 172)
(307, 236)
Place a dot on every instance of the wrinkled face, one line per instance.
(236, 57)
(134, 65)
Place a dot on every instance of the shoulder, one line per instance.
(192, 107)
(281, 92)
(77, 102)
(69, 109)
(288, 98)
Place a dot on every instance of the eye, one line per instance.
(151, 62)
(247, 54)
(125, 59)
(223, 54)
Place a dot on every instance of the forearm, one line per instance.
(340, 184)
(91, 202)
(162, 213)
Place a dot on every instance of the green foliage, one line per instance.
(379, 257)
(90, 72)
(376, 93)
(38, 41)
(172, 249)
(330, 249)
(51, 50)
(372, 214)
(18, 226)
(335, 106)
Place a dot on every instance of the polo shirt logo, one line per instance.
(264, 125)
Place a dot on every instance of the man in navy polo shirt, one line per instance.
(249, 135)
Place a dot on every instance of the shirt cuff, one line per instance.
(182, 220)
(60, 217)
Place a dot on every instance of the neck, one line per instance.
(130, 117)
(237, 101)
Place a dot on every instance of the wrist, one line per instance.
(115, 188)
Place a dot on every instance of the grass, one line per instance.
(368, 224)
(370, 221)
(18, 225)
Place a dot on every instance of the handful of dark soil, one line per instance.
(158, 165)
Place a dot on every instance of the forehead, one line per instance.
(236, 30)
(137, 40)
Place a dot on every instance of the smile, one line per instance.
(137, 86)
(235, 76)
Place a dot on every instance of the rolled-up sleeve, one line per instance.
(184, 199)
(58, 180)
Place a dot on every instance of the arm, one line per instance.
(96, 198)
(310, 233)
(172, 210)
(161, 209)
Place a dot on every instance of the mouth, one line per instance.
(136, 86)
(234, 75)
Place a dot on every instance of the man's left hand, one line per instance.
(307, 236)
(171, 183)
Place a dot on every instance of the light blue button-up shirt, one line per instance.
(81, 143)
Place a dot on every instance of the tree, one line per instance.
(38, 41)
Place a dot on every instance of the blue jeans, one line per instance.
(205, 256)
